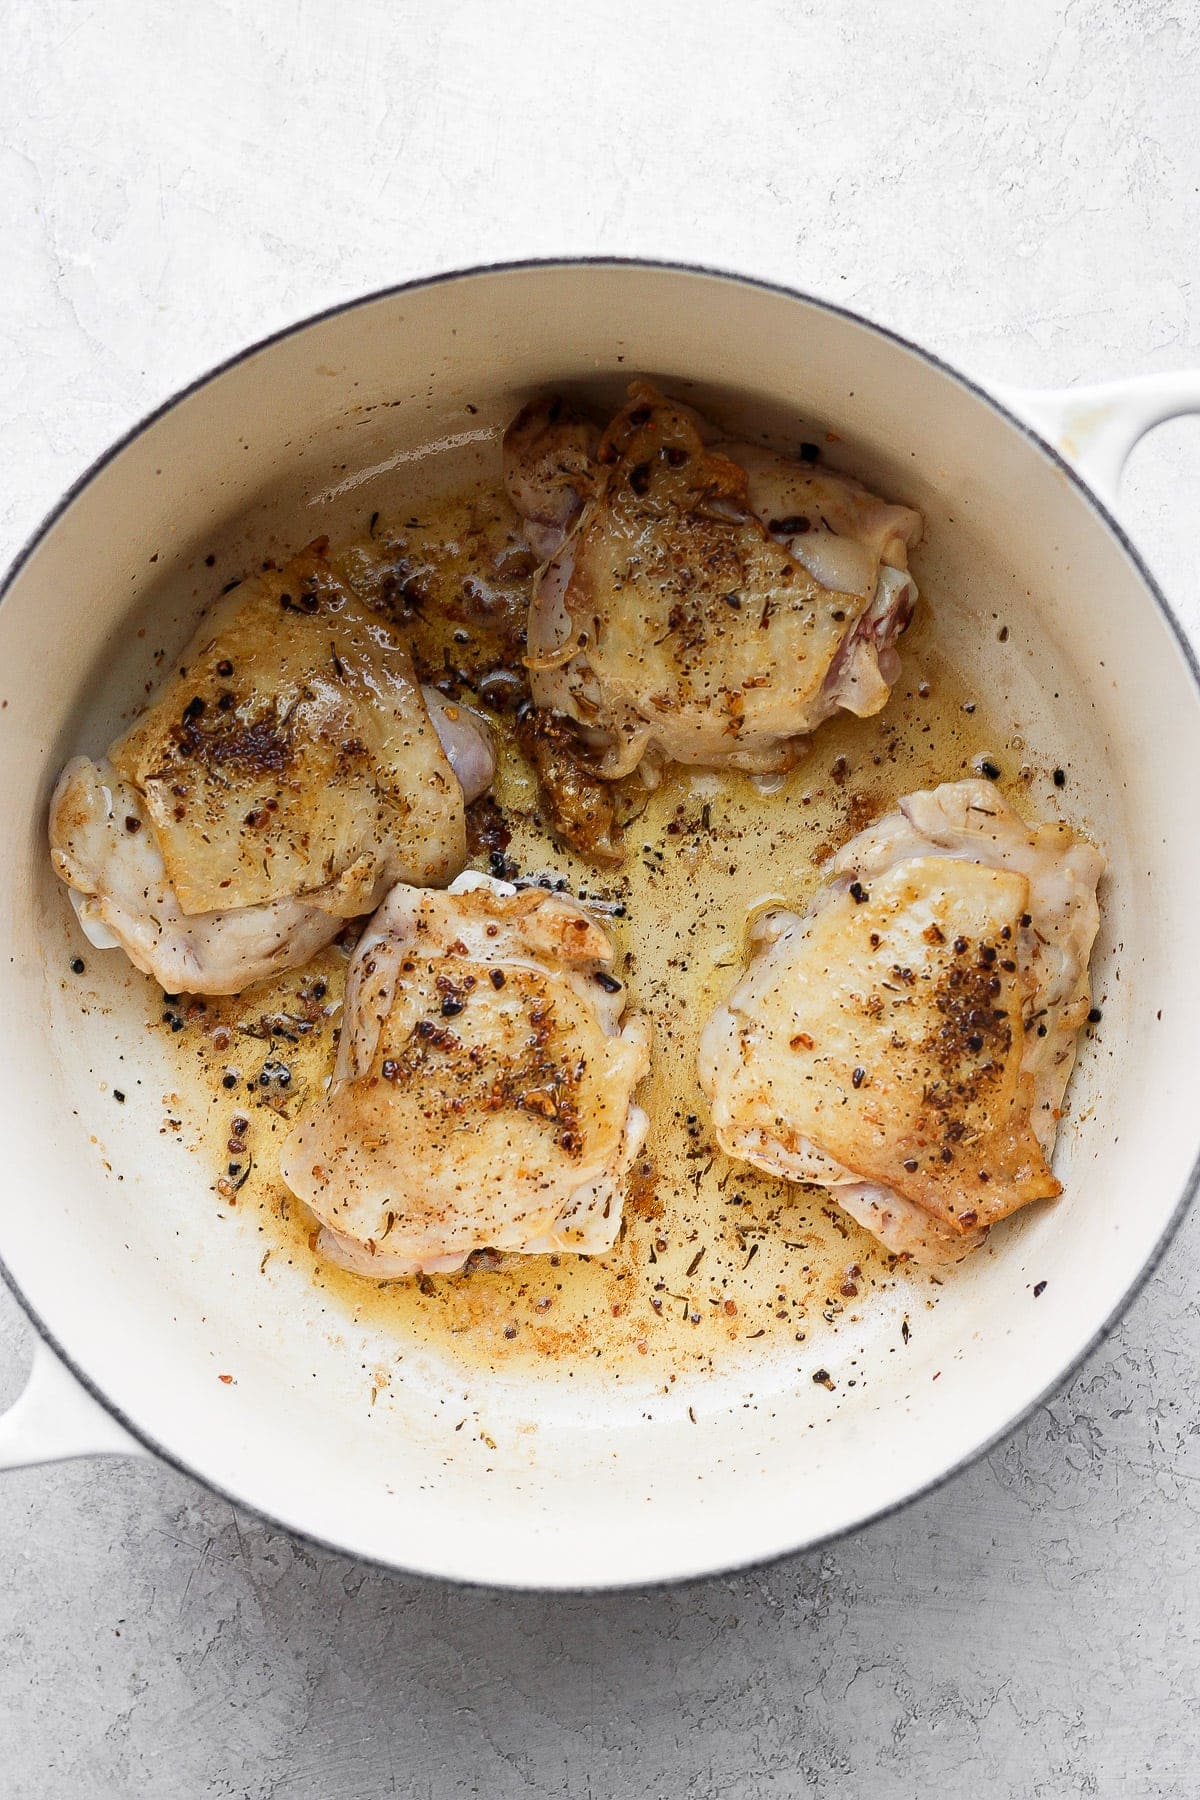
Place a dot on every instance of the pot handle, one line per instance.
(55, 1419)
(1096, 427)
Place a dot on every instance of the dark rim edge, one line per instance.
(1075, 480)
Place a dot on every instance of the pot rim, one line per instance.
(1192, 662)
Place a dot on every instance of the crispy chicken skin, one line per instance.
(289, 773)
(483, 1090)
(701, 601)
(579, 807)
(907, 1042)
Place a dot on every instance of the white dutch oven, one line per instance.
(107, 1226)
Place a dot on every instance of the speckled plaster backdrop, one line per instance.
(1017, 186)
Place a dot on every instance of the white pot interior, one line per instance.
(107, 1222)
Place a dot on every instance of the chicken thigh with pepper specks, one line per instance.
(908, 1041)
(483, 1090)
(702, 601)
(289, 774)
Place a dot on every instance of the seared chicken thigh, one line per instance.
(483, 1090)
(289, 774)
(907, 1042)
(702, 601)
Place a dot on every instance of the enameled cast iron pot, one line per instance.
(107, 1231)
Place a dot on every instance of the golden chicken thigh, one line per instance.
(704, 602)
(291, 771)
(907, 1042)
(483, 1090)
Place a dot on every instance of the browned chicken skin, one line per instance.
(678, 616)
(907, 1042)
(581, 808)
(290, 771)
(483, 1091)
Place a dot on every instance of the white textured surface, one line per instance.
(1017, 186)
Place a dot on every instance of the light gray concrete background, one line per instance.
(1017, 186)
